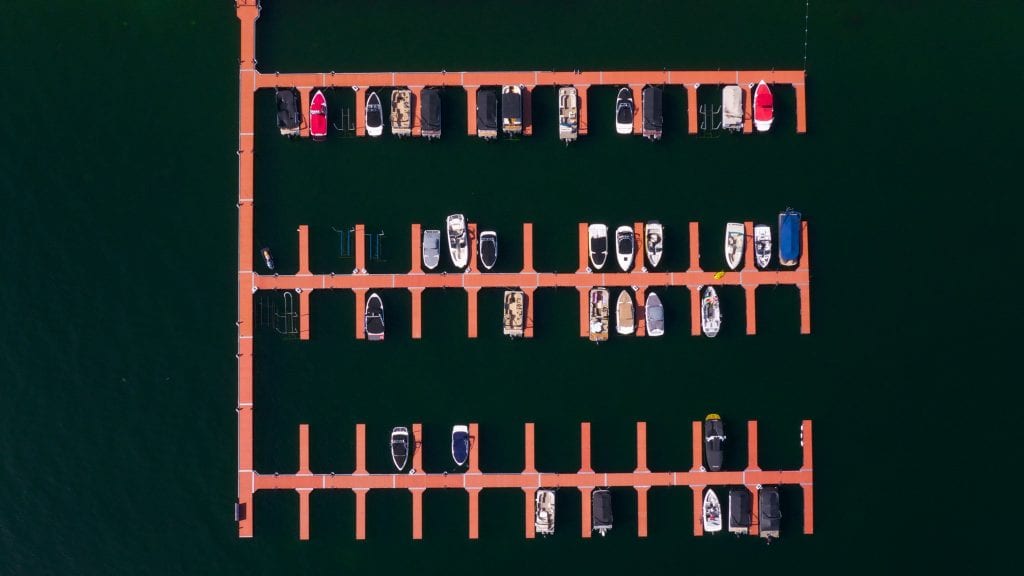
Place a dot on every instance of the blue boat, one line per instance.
(460, 444)
(789, 237)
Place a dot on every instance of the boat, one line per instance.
(400, 446)
(318, 116)
(601, 510)
(431, 248)
(598, 314)
(654, 315)
(710, 313)
(739, 511)
(514, 317)
(460, 444)
(598, 234)
(268, 258)
(732, 108)
(712, 512)
(512, 109)
(568, 114)
(374, 115)
(430, 113)
(654, 242)
(762, 245)
(769, 512)
(734, 236)
(653, 117)
(625, 245)
(373, 318)
(458, 245)
(625, 322)
(624, 111)
(714, 437)
(401, 112)
(789, 237)
(544, 512)
(764, 107)
(289, 113)
(488, 248)
(486, 114)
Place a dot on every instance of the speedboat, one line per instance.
(460, 444)
(734, 235)
(601, 510)
(710, 314)
(769, 512)
(374, 115)
(544, 512)
(431, 248)
(598, 245)
(318, 116)
(739, 511)
(625, 322)
(624, 111)
(654, 242)
(653, 117)
(430, 113)
(512, 109)
(598, 314)
(488, 248)
(654, 315)
(732, 108)
(373, 318)
(486, 114)
(514, 317)
(762, 245)
(624, 246)
(568, 114)
(268, 259)
(458, 245)
(789, 237)
(712, 512)
(400, 446)
(714, 436)
(764, 107)
(401, 112)
(289, 114)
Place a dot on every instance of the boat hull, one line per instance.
(598, 237)
(762, 245)
(400, 447)
(654, 242)
(734, 241)
(460, 444)
(488, 249)
(789, 237)
(598, 311)
(431, 248)
(625, 321)
(710, 313)
(318, 116)
(624, 111)
(654, 315)
(458, 244)
(712, 512)
(374, 116)
(373, 318)
(764, 107)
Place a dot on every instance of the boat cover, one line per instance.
(486, 110)
(489, 251)
(655, 313)
(288, 114)
(430, 109)
(652, 108)
(374, 316)
(460, 446)
(770, 516)
(739, 508)
(512, 105)
(601, 508)
(789, 235)
(764, 103)
(714, 433)
(732, 108)
(374, 114)
(626, 243)
(400, 449)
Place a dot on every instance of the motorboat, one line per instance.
(374, 115)
(769, 512)
(460, 444)
(289, 112)
(430, 113)
(488, 248)
(544, 512)
(598, 314)
(514, 313)
(431, 248)
(601, 510)
(739, 511)
(654, 242)
(400, 446)
(401, 112)
(486, 114)
(714, 438)
(625, 321)
(764, 107)
(598, 234)
(789, 237)
(624, 111)
(318, 116)
(268, 258)
(654, 119)
(373, 318)
(710, 313)
(712, 512)
(458, 243)
(654, 315)
(734, 236)
(568, 114)
(625, 245)
(512, 109)
(762, 245)
(732, 108)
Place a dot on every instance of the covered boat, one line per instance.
(373, 318)
(625, 246)
(400, 447)
(789, 237)
(268, 258)
(734, 236)
(460, 444)
(289, 112)
(654, 242)
(762, 245)
(544, 512)
(430, 113)
(431, 248)
(710, 313)
(739, 511)
(598, 312)
(654, 315)
(458, 243)
(712, 512)
(769, 512)
(653, 117)
(488, 248)
(624, 111)
(764, 107)
(318, 116)
(512, 109)
(714, 438)
(732, 108)
(401, 112)
(568, 114)
(486, 113)
(598, 234)
(625, 322)
(374, 115)
(601, 510)
(514, 313)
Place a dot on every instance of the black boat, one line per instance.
(739, 511)
(400, 446)
(486, 114)
(289, 114)
(769, 512)
(601, 510)
(512, 109)
(714, 436)
(430, 113)
(653, 119)
(373, 318)
(488, 248)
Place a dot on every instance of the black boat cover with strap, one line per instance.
(652, 108)
(486, 110)
(431, 109)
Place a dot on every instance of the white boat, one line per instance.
(732, 108)
(598, 245)
(763, 245)
(710, 312)
(712, 512)
(373, 318)
(764, 107)
(598, 312)
(374, 115)
(568, 114)
(654, 315)
(734, 235)
(544, 512)
(625, 245)
(488, 248)
(458, 243)
(400, 446)
(625, 321)
(431, 248)
(460, 444)
(654, 242)
(624, 111)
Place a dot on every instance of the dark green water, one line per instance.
(117, 368)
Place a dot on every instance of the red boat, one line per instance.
(764, 107)
(318, 116)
